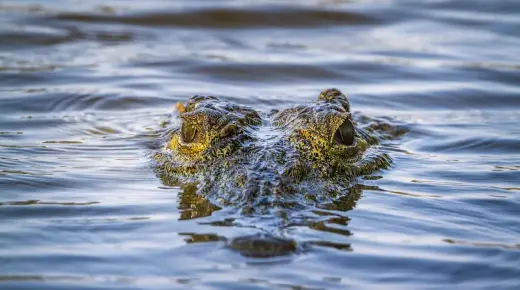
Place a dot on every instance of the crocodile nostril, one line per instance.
(188, 133)
(344, 135)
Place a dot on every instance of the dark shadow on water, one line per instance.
(269, 242)
(263, 246)
(216, 18)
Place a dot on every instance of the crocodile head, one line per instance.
(309, 153)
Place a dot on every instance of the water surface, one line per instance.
(84, 86)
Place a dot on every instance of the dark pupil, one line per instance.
(345, 133)
(188, 133)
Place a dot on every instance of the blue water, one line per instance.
(84, 86)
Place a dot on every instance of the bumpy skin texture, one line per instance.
(211, 129)
(300, 156)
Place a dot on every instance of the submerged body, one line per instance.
(303, 155)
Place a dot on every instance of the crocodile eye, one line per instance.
(345, 134)
(188, 133)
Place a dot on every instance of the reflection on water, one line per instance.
(85, 87)
(192, 205)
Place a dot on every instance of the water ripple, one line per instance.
(87, 89)
(213, 18)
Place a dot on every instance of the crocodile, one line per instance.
(301, 156)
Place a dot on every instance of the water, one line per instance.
(85, 84)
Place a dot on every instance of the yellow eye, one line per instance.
(188, 133)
